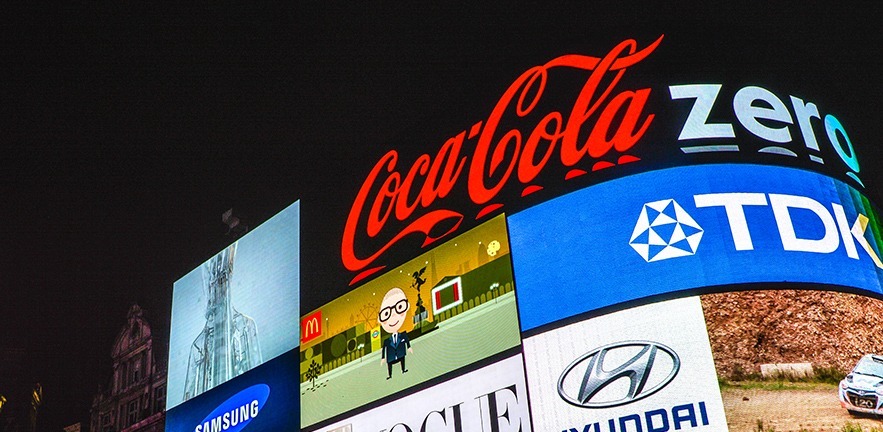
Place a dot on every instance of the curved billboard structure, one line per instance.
(641, 219)
(596, 251)
(691, 228)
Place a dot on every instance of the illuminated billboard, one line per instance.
(647, 368)
(621, 193)
(439, 312)
(263, 399)
(236, 311)
(622, 245)
(580, 119)
(492, 398)
(692, 227)
(791, 358)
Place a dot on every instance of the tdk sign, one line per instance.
(665, 230)
(237, 412)
(687, 228)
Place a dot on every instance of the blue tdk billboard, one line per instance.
(687, 228)
(234, 335)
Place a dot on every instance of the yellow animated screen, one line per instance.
(436, 314)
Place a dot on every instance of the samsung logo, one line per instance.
(237, 412)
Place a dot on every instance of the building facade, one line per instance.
(136, 398)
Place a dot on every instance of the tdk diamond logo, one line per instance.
(664, 230)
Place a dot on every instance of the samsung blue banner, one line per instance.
(690, 227)
(263, 399)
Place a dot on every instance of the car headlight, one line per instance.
(844, 384)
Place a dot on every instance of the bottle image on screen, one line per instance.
(228, 344)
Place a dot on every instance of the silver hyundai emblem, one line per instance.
(643, 372)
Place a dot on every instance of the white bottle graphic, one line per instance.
(228, 344)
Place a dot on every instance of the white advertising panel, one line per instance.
(236, 311)
(646, 369)
(490, 399)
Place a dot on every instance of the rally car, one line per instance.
(862, 390)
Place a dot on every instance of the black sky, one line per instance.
(128, 129)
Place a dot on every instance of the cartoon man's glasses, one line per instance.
(400, 307)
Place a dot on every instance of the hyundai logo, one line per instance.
(618, 374)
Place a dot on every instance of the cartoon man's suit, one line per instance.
(394, 351)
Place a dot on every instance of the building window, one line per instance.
(124, 376)
(136, 370)
(159, 399)
(133, 413)
(106, 425)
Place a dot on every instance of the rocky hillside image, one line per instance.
(830, 330)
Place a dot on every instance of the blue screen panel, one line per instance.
(690, 227)
(265, 398)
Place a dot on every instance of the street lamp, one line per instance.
(492, 289)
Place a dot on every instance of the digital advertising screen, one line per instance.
(594, 113)
(692, 227)
(264, 398)
(490, 399)
(234, 315)
(766, 276)
(647, 368)
(791, 359)
(692, 241)
(434, 315)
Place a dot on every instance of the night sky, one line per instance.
(128, 129)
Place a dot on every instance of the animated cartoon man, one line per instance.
(391, 318)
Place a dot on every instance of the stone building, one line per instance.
(136, 398)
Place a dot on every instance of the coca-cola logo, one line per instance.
(396, 201)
